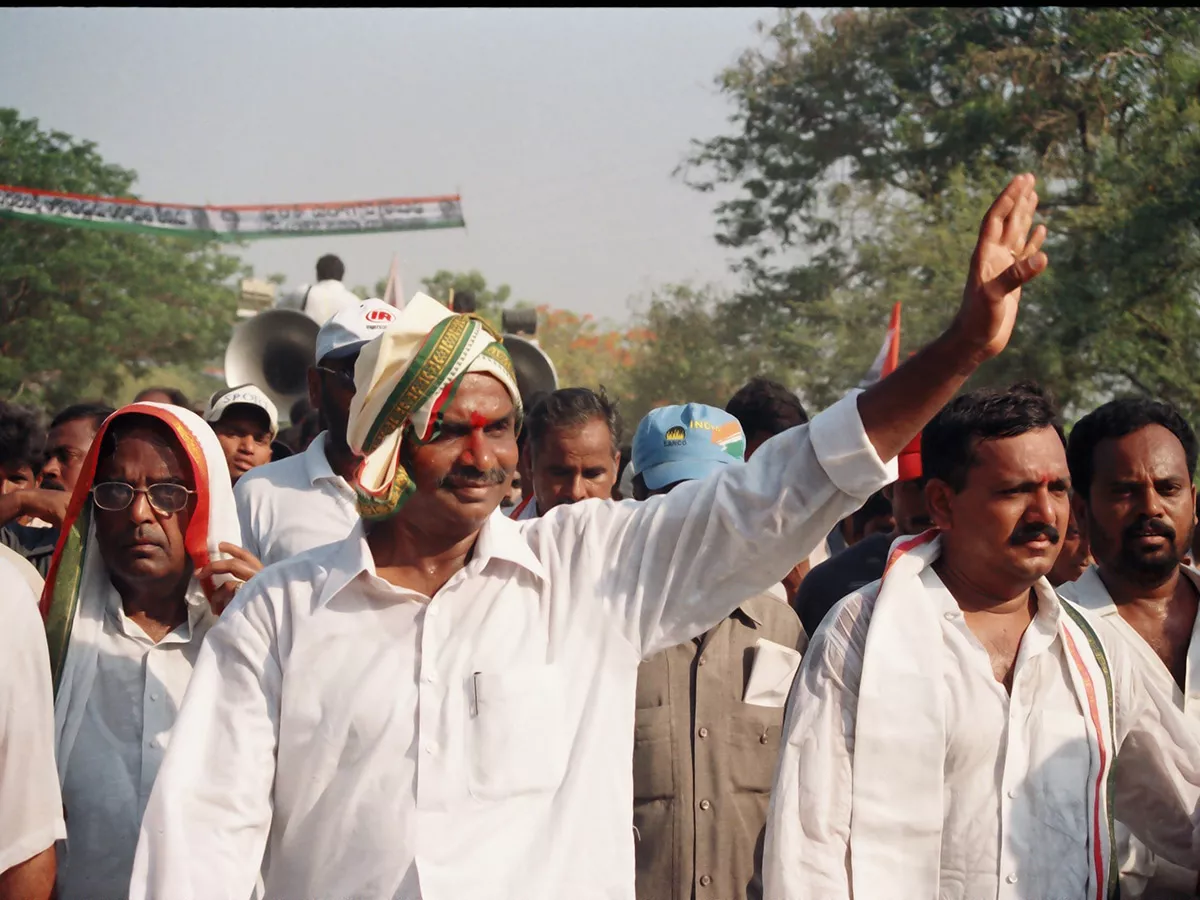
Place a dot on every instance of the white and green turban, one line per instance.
(404, 379)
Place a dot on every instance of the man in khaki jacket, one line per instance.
(709, 712)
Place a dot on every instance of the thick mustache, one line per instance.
(52, 485)
(467, 476)
(1032, 532)
(1149, 528)
(145, 533)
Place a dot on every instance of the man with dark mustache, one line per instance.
(1132, 463)
(952, 729)
(441, 705)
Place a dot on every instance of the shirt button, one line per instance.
(154, 696)
(1012, 793)
(1011, 879)
(951, 616)
(431, 748)
(762, 738)
(704, 804)
(705, 880)
(430, 679)
(702, 660)
(703, 732)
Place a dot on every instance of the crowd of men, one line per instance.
(457, 643)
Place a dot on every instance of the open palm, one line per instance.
(1006, 257)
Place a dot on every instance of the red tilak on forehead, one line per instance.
(479, 421)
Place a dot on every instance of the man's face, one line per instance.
(1003, 530)
(1141, 509)
(67, 447)
(908, 506)
(330, 391)
(462, 475)
(1074, 557)
(574, 463)
(16, 476)
(139, 544)
(245, 436)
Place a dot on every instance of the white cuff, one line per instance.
(846, 453)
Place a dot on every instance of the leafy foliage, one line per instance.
(865, 151)
(83, 310)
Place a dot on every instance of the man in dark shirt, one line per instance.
(863, 563)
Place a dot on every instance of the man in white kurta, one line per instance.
(474, 741)
(914, 767)
(1132, 462)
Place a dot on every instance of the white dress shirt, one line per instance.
(294, 505)
(31, 818)
(1016, 768)
(125, 730)
(1145, 876)
(473, 746)
(327, 298)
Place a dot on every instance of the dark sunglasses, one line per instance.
(345, 379)
(117, 495)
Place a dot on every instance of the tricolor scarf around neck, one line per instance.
(405, 379)
(900, 737)
(78, 588)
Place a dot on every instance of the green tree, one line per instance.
(863, 153)
(82, 310)
(489, 302)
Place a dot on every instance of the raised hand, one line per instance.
(1006, 257)
(243, 566)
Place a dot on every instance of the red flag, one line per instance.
(889, 353)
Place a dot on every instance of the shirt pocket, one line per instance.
(653, 759)
(754, 734)
(517, 736)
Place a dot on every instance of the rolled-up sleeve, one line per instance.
(209, 814)
(676, 565)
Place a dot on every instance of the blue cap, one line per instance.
(685, 443)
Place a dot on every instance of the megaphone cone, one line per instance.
(273, 350)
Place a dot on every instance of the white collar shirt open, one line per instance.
(379, 744)
(1015, 825)
(1144, 874)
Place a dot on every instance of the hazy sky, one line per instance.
(560, 128)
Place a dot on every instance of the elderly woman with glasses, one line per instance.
(149, 555)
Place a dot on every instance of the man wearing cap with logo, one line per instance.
(246, 422)
(863, 562)
(710, 710)
(439, 706)
(306, 501)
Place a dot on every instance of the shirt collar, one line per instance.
(197, 607)
(499, 538)
(316, 463)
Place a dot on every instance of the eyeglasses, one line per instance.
(117, 495)
(344, 379)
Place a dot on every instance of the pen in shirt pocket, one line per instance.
(474, 694)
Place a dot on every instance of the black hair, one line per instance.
(1118, 418)
(949, 441)
(766, 407)
(464, 301)
(876, 505)
(567, 407)
(22, 437)
(329, 267)
(97, 412)
(178, 397)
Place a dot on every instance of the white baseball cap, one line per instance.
(242, 395)
(352, 327)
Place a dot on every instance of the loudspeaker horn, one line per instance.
(273, 350)
(535, 370)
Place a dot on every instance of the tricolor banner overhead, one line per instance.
(232, 223)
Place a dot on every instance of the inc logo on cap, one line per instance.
(380, 315)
